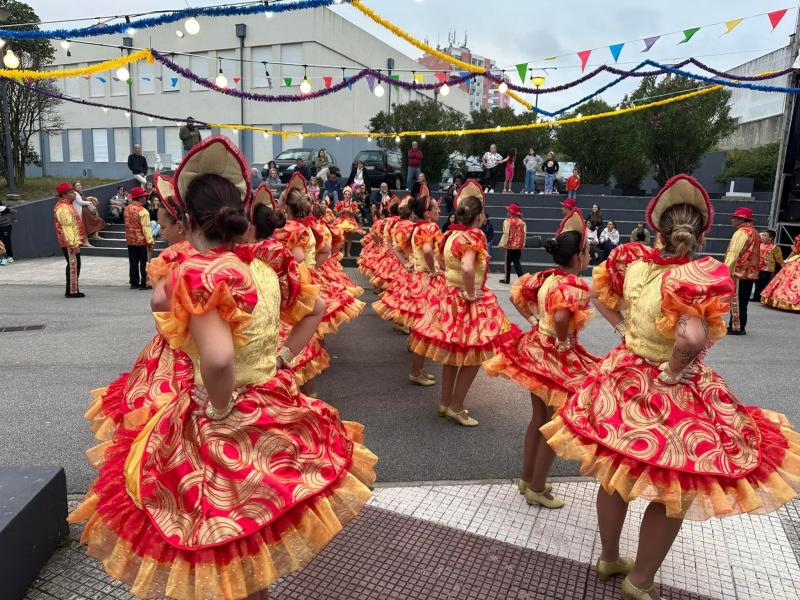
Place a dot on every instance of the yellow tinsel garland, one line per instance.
(106, 65)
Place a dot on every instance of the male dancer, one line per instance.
(139, 237)
(513, 240)
(71, 236)
(742, 259)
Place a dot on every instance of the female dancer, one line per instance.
(464, 324)
(401, 233)
(347, 211)
(784, 289)
(653, 421)
(372, 247)
(216, 497)
(387, 265)
(548, 360)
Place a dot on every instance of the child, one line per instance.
(313, 189)
(573, 183)
(332, 188)
(510, 161)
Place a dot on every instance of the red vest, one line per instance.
(516, 233)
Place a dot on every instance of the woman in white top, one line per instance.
(357, 175)
(78, 205)
(609, 239)
(592, 240)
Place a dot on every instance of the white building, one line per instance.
(98, 142)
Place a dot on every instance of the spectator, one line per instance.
(93, 223)
(421, 180)
(361, 197)
(641, 234)
(303, 169)
(313, 188)
(78, 203)
(8, 216)
(510, 161)
(550, 168)
(117, 204)
(267, 168)
(190, 135)
(609, 239)
(380, 201)
(322, 165)
(255, 179)
(451, 220)
(358, 176)
(333, 191)
(137, 164)
(532, 164)
(573, 183)
(488, 230)
(592, 240)
(414, 165)
(491, 162)
(451, 192)
(273, 181)
(595, 217)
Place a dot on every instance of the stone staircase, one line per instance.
(113, 243)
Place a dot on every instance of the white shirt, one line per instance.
(490, 159)
(358, 179)
(591, 235)
(79, 203)
(612, 236)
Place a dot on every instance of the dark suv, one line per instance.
(287, 161)
(382, 165)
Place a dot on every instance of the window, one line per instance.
(230, 67)
(172, 143)
(258, 71)
(231, 134)
(97, 85)
(262, 146)
(99, 144)
(118, 88)
(72, 84)
(56, 146)
(199, 65)
(75, 137)
(122, 144)
(145, 81)
(170, 82)
(149, 139)
(292, 141)
(292, 53)
(34, 143)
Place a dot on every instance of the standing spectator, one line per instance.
(190, 135)
(333, 190)
(770, 261)
(451, 192)
(322, 165)
(71, 236)
(358, 176)
(573, 183)
(139, 237)
(641, 234)
(592, 240)
(510, 161)
(550, 168)
(8, 216)
(414, 164)
(514, 234)
(595, 217)
(488, 231)
(117, 204)
(491, 162)
(255, 179)
(417, 187)
(303, 169)
(273, 181)
(609, 239)
(380, 201)
(742, 258)
(532, 164)
(137, 164)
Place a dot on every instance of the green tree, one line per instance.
(29, 112)
(630, 165)
(676, 135)
(591, 144)
(422, 116)
(758, 163)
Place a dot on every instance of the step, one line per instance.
(116, 251)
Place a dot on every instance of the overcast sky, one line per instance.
(513, 31)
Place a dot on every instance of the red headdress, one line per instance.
(215, 155)
(680, 189)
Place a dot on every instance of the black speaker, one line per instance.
(792, 212)
(535, 241)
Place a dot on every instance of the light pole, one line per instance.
(11, 178)
(538, 81)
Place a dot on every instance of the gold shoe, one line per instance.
(427, 375)
(541, 499)
(462, 418)
(420, 380)
(442, 410)
(631, 592)
(522, 486)
(605, 569)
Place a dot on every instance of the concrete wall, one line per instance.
(753, 134)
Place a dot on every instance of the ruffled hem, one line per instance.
(774, 303)
(551, 394)
(310, 364)
(457, 355)
(346, 312)
(601, 284)
(690, 496)
(305, 300)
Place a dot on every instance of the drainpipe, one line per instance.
(241, 33)
(127, 42)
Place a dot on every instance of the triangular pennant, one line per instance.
(648, 42)
(87, 78)
(584, 56)
(328, 81)
(371, 82)
(160, 78)
(349, 85)
(269, 82)
(522, 69)
(775, 17)
(550, 57)
(146, 79)
(287, 81)
(732, 24)
(616, 49)
(101, 79)
(689, 34)
(441, 77)
(419, 78)
(236, 80)
(396, 77)
(173, 81)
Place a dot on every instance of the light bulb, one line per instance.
(268, 14)
(444, 90)
(461, 132)
(192, 26)
(265, 134)
(131, 31)
(397, 139)
(369, 138)
(123, 74)
(305, 86)
(221, 81)
(65, 44)
(127, 114)
(10, 59)
(179, 33)
(503, 87)
(579, 116)
(299, 136)
(422, 136)
(338, 138)
(150, 119)
(497, 128)
(2, 42)
(379, 90)
(105, 109)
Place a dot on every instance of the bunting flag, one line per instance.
(689, 34)
(236, 80)
(160, 78)
(441, 77)
(396, 77)
(731, 25)
(775, 17)
(349, 85)
(101, 79)
(616, 49)
(584, 56)
(173, 81)
(287, 81)
(419, 78)
(522, 69)
(328, 81)
(550, 57)
(648, 42)
(371, 82)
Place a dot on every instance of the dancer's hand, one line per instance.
(200, 398)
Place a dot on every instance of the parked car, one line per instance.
(287, 161)
(564, 173)
(380, 166)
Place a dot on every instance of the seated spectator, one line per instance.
(303, 169)
(333, 191)
(451, 220)
(273, 181)
(137, 164)
(117, 204)
(595, 217)
(641, 234)
(609, 239)
(267, 168)
(3, 256)
(360, 195)
(418, 185)
(93, 223)
(380, 201)
(451, 192)
(313, 188)
(488, 230)
(592, 240)
(255, 179)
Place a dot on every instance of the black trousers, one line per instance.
(5, 237)
(73, 269)
(492, 176)
(137, 265)
(744, 289)
(513, 257)
(764, 277)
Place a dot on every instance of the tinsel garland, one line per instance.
(106, 65)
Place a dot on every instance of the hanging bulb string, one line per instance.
(107, 65)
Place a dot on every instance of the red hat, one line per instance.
(138, 192)
(744, 213)
(63, 188)
(569, 203)
(513, 208)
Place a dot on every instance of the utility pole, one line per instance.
(241, 33)
(390, 66)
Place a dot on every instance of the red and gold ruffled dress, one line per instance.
(784, 289)
(386, 306)
(454, 331)
(532, 359)
(690, 446)
(191, 508)
(346, 220)
(330, 269)
(386, 266)
(370, 248)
